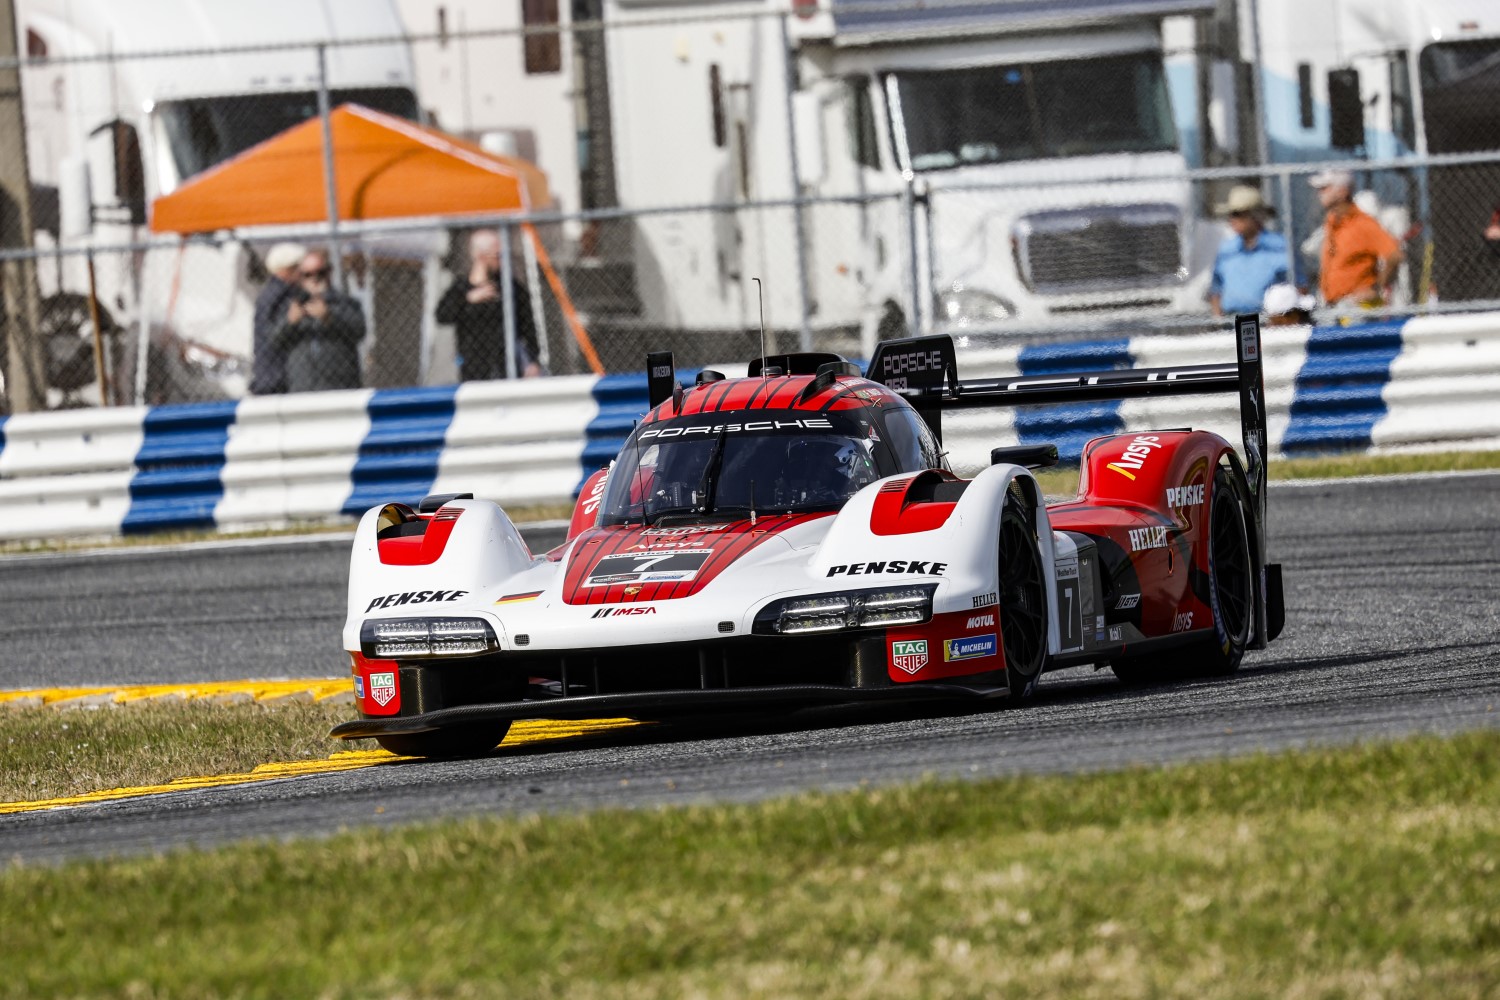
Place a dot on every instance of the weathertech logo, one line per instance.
(909, 656)
(644, 609)
(1148, 538)
(981, 621)
(1135, 455)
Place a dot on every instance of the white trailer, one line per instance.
(106, 136)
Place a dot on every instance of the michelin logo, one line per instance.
(969, 648)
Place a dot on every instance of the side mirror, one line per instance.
(1346, 112)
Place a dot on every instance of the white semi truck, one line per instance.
(106, 136)
(1038, 140)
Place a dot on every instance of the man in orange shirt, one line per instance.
(1359, 257)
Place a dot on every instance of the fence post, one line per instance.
(909, 203)
(25, 373)
(1289, 230)
(335, 258)
(508, 298)
(789, 77)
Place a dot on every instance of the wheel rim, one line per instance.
(1023, 605)
(1231, 567)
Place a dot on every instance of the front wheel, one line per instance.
(1023, 601)
(456, 741)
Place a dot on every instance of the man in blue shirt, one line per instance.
(1251, 260)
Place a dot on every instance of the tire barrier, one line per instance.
(1426, 383)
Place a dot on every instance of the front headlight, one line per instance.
(961, 307)
(846, 610)
(403, 638)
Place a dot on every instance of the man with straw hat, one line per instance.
(1250, 260)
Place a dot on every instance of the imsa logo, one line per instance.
(909, 656)
(642, 609)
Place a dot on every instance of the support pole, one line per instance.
(335, 258)
(508, 300)
(20, 351)
(804, 295)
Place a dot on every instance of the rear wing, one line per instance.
(924, 371)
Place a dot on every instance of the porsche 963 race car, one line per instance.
(795, 537)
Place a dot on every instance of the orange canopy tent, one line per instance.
(384, 167)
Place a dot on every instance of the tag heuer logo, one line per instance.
(909, 656)
(383, 687)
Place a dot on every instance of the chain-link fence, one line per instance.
(836, 173)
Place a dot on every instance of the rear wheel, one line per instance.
(1231, 590)
(1023, 601)
(457, 741)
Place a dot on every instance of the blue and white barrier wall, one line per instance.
(1420, 384)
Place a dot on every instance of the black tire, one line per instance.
(1231, 596)
(1231, 571)
(1023, 600)
(458, 741)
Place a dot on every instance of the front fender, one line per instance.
(960, 552)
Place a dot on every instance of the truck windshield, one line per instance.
(1460, 85)
(206, 131)
(992, 114)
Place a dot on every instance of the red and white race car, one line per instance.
(795, 538)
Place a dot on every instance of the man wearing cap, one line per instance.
(1251, 260)
(1360, 258)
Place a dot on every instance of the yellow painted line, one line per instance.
(527, 731)
(318, 688)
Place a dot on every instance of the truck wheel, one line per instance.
(1023, 601)
(1231, 590)
(457, 741)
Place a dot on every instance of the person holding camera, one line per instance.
(322, 331)
(475, 307)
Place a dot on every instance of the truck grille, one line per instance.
(1100, 249)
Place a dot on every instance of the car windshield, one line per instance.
(992, 114)
(728, 464)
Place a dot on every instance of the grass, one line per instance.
(1359, 872)
(50, 753)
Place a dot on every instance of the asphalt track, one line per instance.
(1393, 628)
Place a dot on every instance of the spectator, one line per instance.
(1492, 232)
(475, 307)
(1251, 260)
(322, 331)
(269, 373)
(1359, 258)
(1285, 305)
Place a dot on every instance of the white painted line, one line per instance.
(1393, 477)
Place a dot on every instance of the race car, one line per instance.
(795, 538)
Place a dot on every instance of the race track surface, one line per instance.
(1393, 627)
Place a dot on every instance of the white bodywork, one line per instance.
(486, 558)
